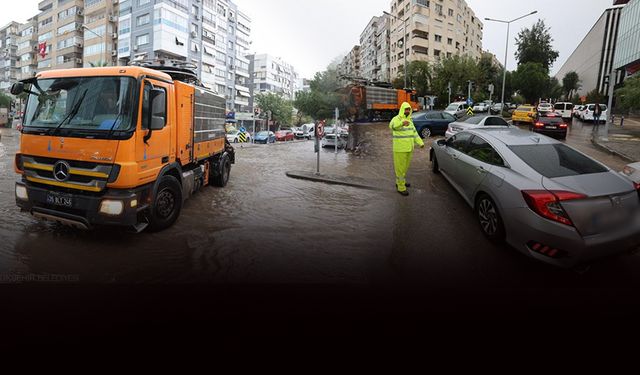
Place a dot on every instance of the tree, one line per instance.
(98, 64)
(532, 80)
(554, 89)
(5, 100)
(594, 96)
(280, 108)
(535, 46)
(570, 83)
(457, 70)
(419, 77)
(629, 95)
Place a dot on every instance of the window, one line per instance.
(125, 26)
(459, 141)
(495, 121)
(100, 30)
(450, 12)
(142, 40)
(67, 13)
(96, 49)
(449, 41)
(424, 3)
(439, 9)
(143, 2)
(474, 120)
(438, 38)
(479, 149)
(45, 36)
(434, 116)
(557, 160)
(143, 19)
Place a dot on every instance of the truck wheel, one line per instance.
(222, 178)
(167, 204)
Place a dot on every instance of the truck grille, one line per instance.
(71, 174)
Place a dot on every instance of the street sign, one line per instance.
(491, 88)
(469, 111)
(469, 101)
(320, 130)
(242, 137)
(243, 130)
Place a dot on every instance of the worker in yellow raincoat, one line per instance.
(405, 137)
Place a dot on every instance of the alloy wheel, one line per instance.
(488, 217)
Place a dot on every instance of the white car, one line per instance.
(576, 111)
(305, 131)
(457, 109)
(545, 107)
(475, 122)
(482, 106)
(565, 109)
(587, 113)
(233, 136)
(329, 138)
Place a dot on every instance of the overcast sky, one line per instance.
(310, 34)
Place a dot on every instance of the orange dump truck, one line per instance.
(370, 103)
(118, 146)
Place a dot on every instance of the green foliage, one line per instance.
(629, 95)
(5, 100)
(554, 89)
(419, 77)
(575, 99)
(535, 46)
(532, 80)
(98, 64)
(280, 108)
(321, 101)
(570, 83)
(595, 96)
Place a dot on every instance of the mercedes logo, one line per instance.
(61, 171)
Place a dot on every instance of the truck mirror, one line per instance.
(157, 109)
(17, 88)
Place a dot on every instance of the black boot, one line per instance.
(404, 193)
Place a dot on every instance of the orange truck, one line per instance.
(371, 103)
(123, 146)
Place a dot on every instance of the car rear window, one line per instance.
(474, 120)
(551, 120)
(556, 160)
(495, 121)
(559, 107)
(524, 109)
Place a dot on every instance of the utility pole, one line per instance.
(449, 90)
(609, 119)
(469, 96)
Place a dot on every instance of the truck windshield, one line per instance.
(97, 105)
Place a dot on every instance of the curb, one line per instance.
(332, 180)
(611, 151)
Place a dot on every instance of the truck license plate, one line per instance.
(58, 199)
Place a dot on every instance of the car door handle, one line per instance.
(453, 156)
(481, 170)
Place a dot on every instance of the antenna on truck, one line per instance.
(178, 70)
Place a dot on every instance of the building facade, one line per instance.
(28, 49)
(212, 35)
(350, 66)
(627, 58)
(8, 55)
(435, 30)
(593, 57)
(374, 50)
(60, 31)
(273, 75)
(100, 42)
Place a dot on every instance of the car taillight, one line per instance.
(547, 203)
(563, 126)
(637, 186)
(539, 125)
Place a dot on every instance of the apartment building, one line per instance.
(100, 33)
(435, 29)
(8, 55)
(27, 49)
(212, 35)
(375, 58)
(627, 57)
(274, 75)
(60, 33)
(350, 66)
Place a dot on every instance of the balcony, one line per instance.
(69, 64)
(418, 50)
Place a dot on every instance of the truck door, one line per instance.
(153, 148)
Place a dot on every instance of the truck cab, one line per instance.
(118, 146)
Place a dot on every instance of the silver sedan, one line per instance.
(543, 197)
(475, 122)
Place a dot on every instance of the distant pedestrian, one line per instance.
(597, 112)
(405, 137)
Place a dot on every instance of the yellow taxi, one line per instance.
(524, 114)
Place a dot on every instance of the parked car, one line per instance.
(542, 197)
(330, 136)
(457, 109)
(565, 109)
(475, 122)
(587, 113)
(264, 137)
(285, 135)
(432, 123)
(576, 111)
(523, 114)
(305, 131)
(551, 124)
(632, 171)
(497, 108)
(545, 107)
(233, 136)
(482, 106)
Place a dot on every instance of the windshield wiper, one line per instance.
(74, 111)
(115, 122)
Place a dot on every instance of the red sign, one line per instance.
(320, 129)
(42, 49)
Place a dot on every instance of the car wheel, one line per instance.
(435, 167)
(166, 204)
(222, 178)
(489, 218)
(425, 133)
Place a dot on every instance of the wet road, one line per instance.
(266, 228)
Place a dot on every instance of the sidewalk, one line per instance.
(623, 141)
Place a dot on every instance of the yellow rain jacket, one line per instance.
(404, 137)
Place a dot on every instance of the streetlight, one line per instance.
(404, 44)
(99, 36)
(506, 51)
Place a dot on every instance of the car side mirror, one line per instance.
(17, 88)
(157, 109)
(441, 142)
